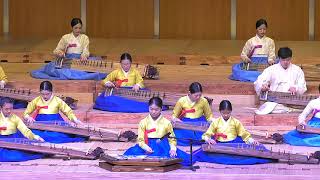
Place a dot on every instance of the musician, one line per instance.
(125, 77)
(281, 77)
(3, 78)
(11, 126)
(304, 139)
(227, 129)
(45, 109)
(151, 135)
(75, 44)
(192, 108)
(259, 44)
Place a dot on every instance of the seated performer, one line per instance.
(3, 81)
(260, 49)
(229, 130)
(12, 127)
(151, 136)
(305, 139)
(74, 45)
(193, 109)
(125, 77)
(45, 109)
(281, 77)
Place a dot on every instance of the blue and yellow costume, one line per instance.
(17, 104)
(306, 139)
(48, 112)
(151, 134)
(197, 113)
(230, 133)
(12, 127)
(113, 103)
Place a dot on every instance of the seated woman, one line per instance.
(12, 127)
(124, 77)
(305, 139)
(259, 50)
(227, 129)
(45, 109)
(17, 104)
(193, 109)
(152, 132)
(74, 45)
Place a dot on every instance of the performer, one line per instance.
(260, 49)
(228, 130)
(304, 139)
(259, 44)
(193, 109)
(45, 109)
(125, 77)
(74, 45)
(17, 104)
(151, 136)
(281, 77)
(12, 127)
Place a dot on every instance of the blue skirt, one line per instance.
(189, 134)
(304, 139)
(218, 158)
(9, 155)
(160, 148)
(239, 74)
(55, 137)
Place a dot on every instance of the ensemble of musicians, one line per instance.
(157, 136)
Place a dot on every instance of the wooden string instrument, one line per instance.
(90, 132)
(252, 151)
(286, 98)
(254, 66)
(122, 163)
(28, 95)
(308, 129)
(147, 71)
(265, 138)
(48, 148)
(168, 98)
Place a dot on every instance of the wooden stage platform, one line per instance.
(216, 58)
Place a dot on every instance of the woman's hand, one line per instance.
(173, 153)
(211, 141)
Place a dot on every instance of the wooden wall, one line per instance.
(42, 18)
(317, 20)
(287, 19)
(1, 17)
(196, 19)
(120, 18)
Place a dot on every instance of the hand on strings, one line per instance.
(173, 153)
(30, 119)
(136, 87)
(302, 124)
(211, 141)
(176, 120)
(38, 138)
(247, 60)
(271, 62)
(61, 54)
(83, 58)
(2, 84)
(149, 150)
(110, 85)
(292, 90)
(265, 87)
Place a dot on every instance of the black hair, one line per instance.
(261, 22)
(76, 21)
(319, 88)
(225, 105)
(195, 87)
(5, 100)
(156, 101)
(126, 56)
(284, 53)
(46, 86)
